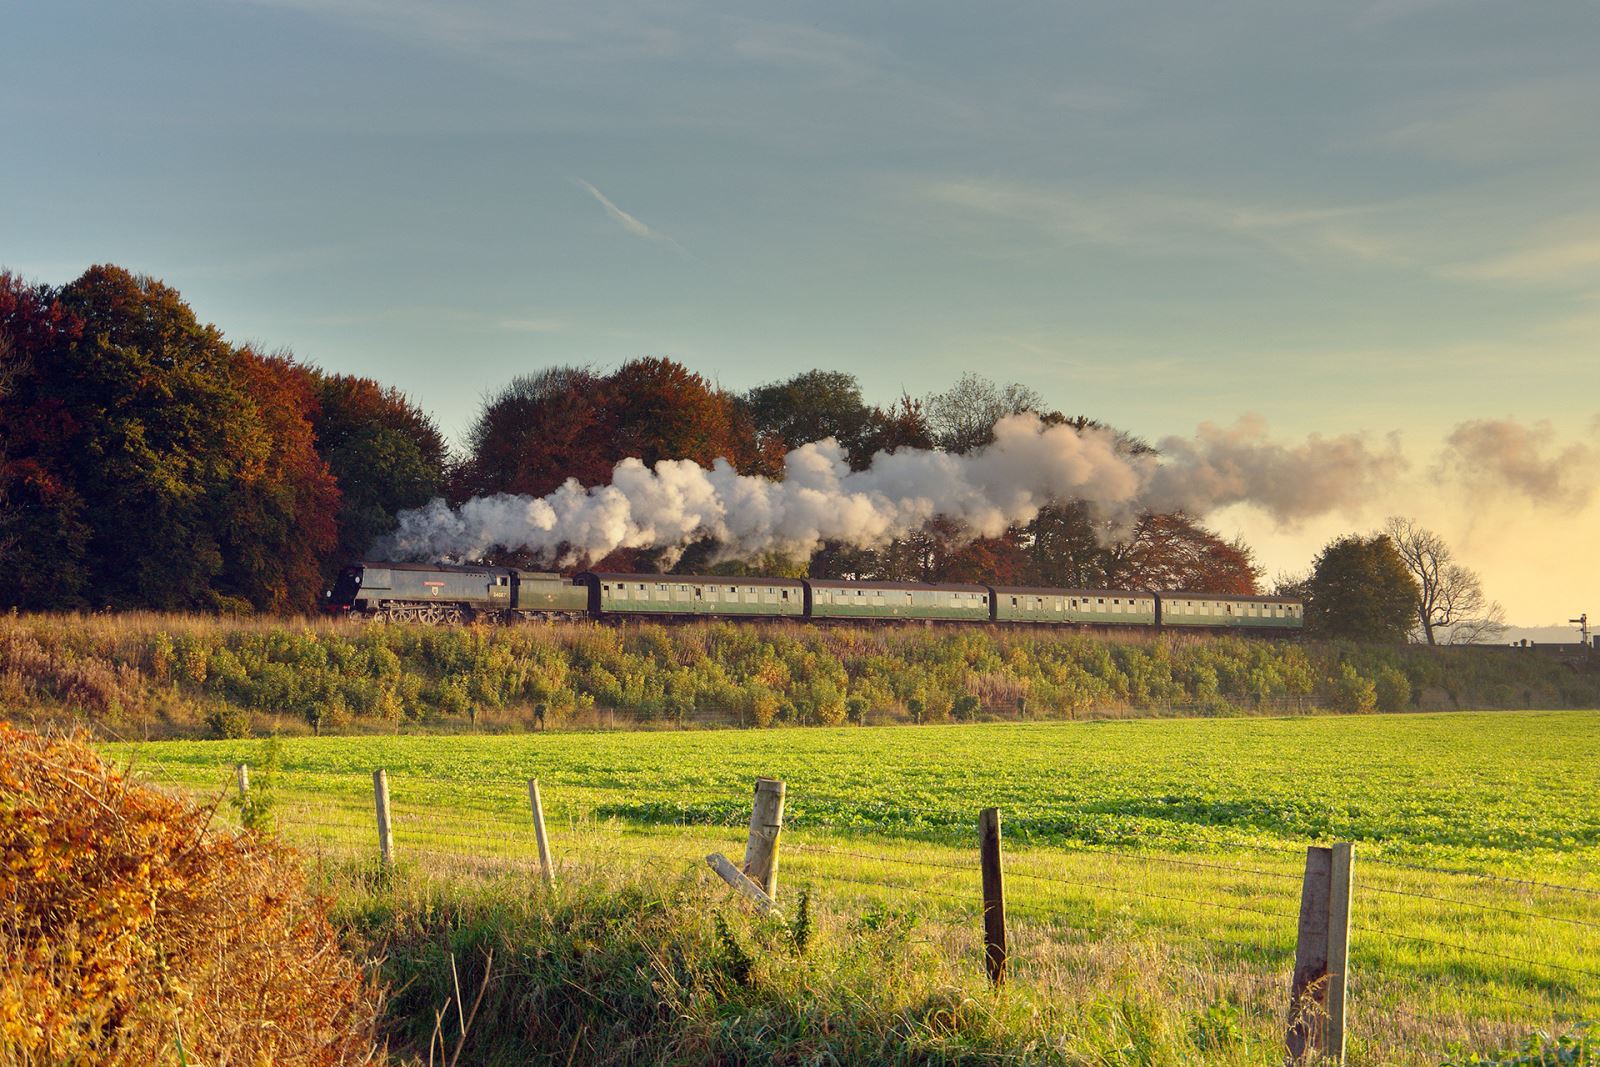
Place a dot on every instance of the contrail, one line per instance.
(631, 223)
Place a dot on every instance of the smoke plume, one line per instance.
(819, 498)
(1238, 465)
(1497, 454)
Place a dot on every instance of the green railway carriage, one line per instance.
(1223, 611)
(683, 595)
(544, 592)
(827, 599)
(1082, 607)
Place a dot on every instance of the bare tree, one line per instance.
(963, 418)
(1451, 598)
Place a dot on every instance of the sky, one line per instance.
(1372, 218)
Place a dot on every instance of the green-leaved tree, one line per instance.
(1360, 590)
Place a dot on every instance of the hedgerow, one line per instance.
(188, 675)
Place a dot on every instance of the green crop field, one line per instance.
(1163, 855)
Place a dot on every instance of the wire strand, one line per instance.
(1368, 887)
(1476, 951)
(1147, 893)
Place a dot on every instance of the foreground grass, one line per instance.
(1153, 866)
(635, 967)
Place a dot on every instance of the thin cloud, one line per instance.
(1166, 223)
(628, 222)
(536, 325)
(845, 59)
(1511, 122)
(1567, 252)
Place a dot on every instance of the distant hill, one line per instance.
(1565, 634)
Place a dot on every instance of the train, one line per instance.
(453, 594)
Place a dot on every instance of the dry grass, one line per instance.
(132, 932)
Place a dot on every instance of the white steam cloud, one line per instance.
(1028, 466)
(1498, 454)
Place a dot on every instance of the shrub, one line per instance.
(133, 933)
(763, 707)
(1393, 689)
(228, 721)
(1349, 691)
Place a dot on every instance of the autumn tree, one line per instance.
(903, 424)
(812, 406)
(149, 463)
(165, 431)
(1063, 548)
(385, 453)
(1361, 589)
(1450, 597)
(539, 431)
(659, 409)
(282, 522)
(569, 422)
(1172, 552)
(44, 537)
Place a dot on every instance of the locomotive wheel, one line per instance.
(451, 616)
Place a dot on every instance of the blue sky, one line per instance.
(1375, 217)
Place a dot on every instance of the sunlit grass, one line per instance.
(1165, 854)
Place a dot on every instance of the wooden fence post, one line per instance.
(380, 796)
(538, 832)
(741, 881)
(766, 823)
(1341, 882)
(1321, 958)
(994, 895)
(241, 772)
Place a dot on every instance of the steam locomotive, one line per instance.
(446, 594)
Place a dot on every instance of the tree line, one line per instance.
(147, 462)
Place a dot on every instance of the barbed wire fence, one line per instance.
(1060, 891)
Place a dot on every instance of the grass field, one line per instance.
(1155, 859)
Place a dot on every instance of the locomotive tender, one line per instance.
(441, 593)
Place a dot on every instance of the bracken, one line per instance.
(133, 931)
